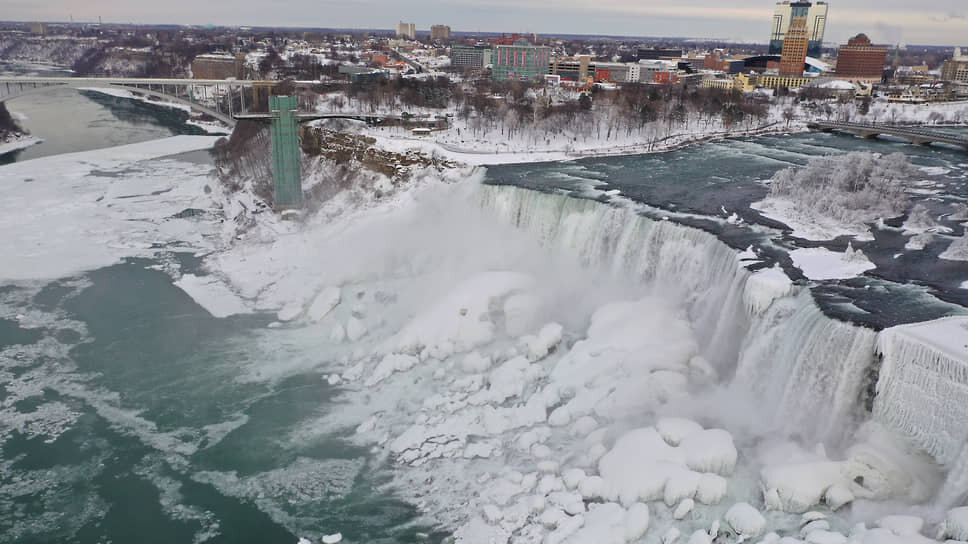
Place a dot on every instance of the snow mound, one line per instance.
(958, 250)
(643, 467)
(745, 520)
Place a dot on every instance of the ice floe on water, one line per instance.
(70, 213)
(819, 263)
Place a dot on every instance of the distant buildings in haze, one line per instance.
(440, 32)
(406, 30)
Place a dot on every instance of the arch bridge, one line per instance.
(202, 95)
(915, 134)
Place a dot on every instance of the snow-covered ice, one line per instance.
(75, 212)
(819, 263)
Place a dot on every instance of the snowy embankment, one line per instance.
(18, 143)
(211, 127)
(75, 212)
(554, 375)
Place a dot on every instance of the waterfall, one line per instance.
(809, 373)
(806, 369)
(684, 263)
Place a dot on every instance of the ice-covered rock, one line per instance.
(837, 495)
(636, 521)
(711, 450)
(745, 520)
(394, 362)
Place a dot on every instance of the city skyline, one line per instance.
(937, 22)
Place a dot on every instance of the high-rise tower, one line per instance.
(795, 43)
(816, 24)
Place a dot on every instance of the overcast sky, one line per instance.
(937, 22)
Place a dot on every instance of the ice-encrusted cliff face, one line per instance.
(810, 375)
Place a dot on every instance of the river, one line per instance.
(128, 413)
(69, 121)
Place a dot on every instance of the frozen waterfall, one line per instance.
(811, 375)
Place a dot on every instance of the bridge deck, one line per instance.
(916, 134)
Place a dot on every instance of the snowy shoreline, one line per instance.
(18, 144)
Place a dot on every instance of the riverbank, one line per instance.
(476, 158)
(17, 142)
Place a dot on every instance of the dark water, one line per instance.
(68, 120)
(145, 430)
(704, 184)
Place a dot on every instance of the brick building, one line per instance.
(860, 60)
(796, 41)
(216, 66)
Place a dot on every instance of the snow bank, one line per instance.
(819, 263)
(18, 144)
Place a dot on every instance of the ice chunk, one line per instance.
(681, 485)
(213, 295)
(671, 536)
(323, 303)
(826, 537)
(745, 520)
(333, 538)
(684, 508)
(819, 263)
(837, 495)
(394, 362)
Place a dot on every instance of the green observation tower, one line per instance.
(286, 168)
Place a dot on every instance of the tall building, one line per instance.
(816, 24)
(440, 32)
(406, 30)
(860, 60)
(521, 61)
(795, 43)
(955, 68)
